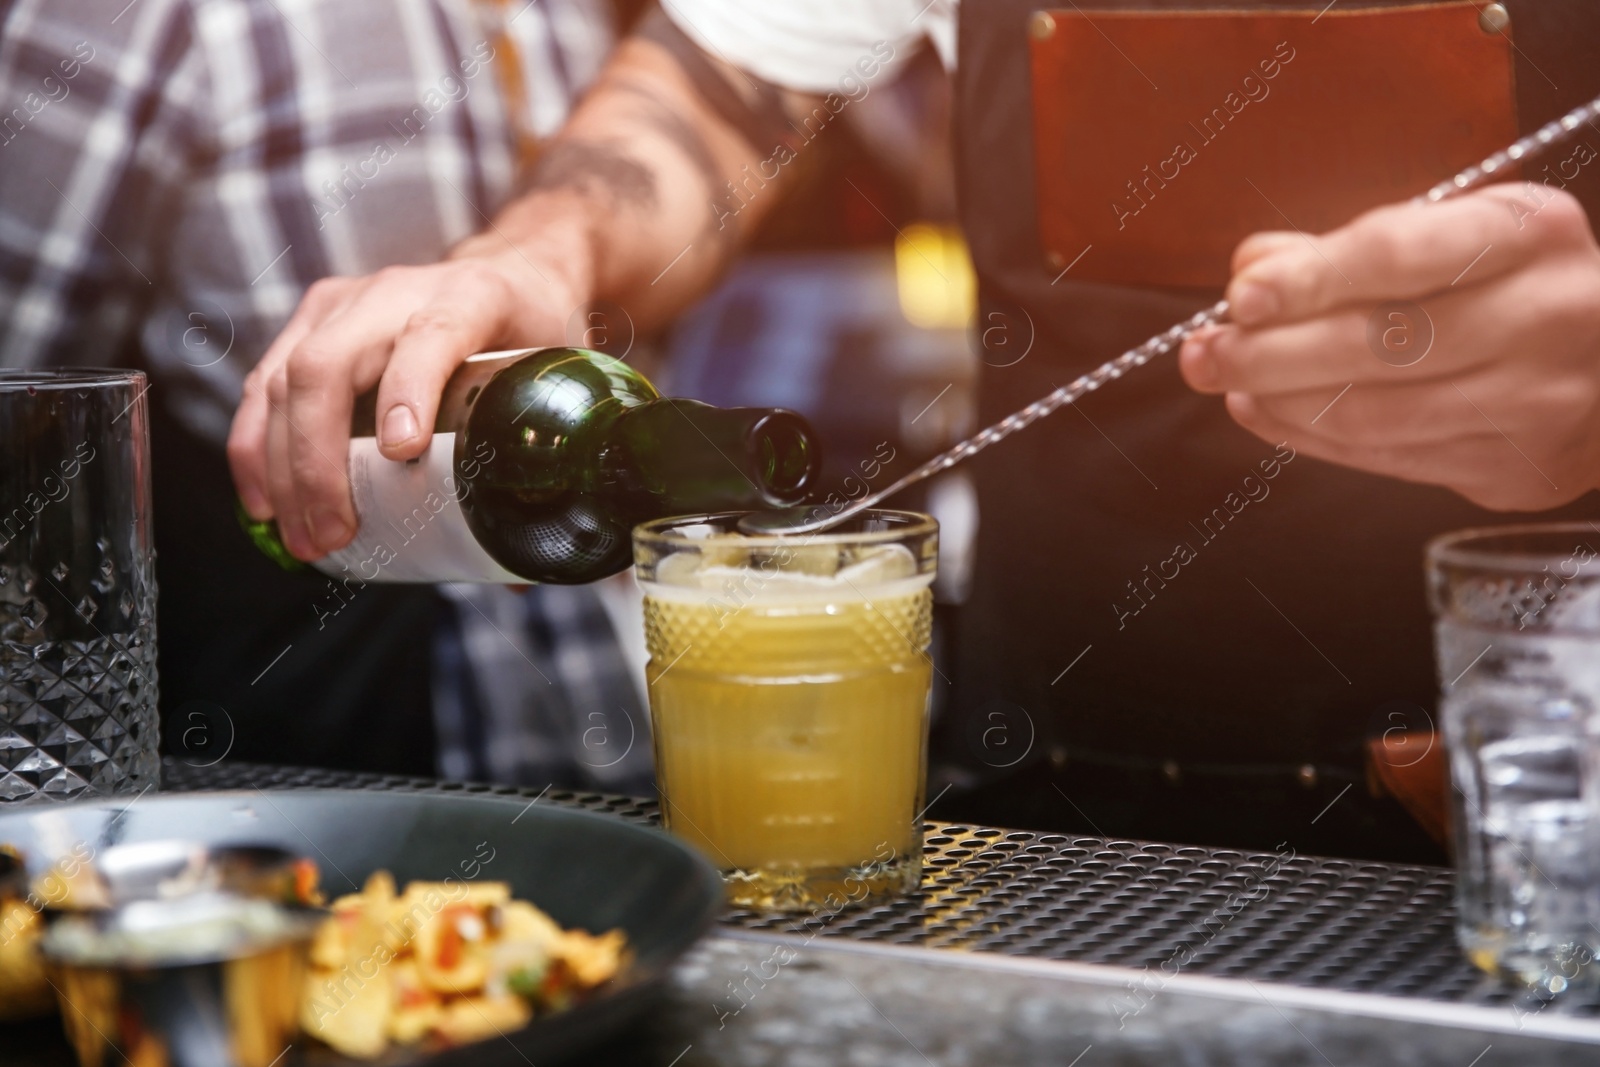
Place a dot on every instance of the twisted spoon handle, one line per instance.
(1529, 147)
(1066, 394)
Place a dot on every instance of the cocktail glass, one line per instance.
(1517, 629)
(789, 681)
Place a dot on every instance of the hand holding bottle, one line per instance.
(617, 207)
(540, 465)
(404, 330)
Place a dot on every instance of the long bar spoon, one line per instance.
(813, 518)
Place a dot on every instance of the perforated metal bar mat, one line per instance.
(1303, 920)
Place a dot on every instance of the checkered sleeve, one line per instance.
(175, 173)
(100, 117)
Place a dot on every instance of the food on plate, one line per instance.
(24, 991)
(86, 893)
(450, 962)
(23, 988)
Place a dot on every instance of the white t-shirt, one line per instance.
(818, 46)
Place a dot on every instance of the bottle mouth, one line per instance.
(786, 458)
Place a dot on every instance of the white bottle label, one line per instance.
(410, 527)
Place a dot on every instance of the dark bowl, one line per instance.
(586, 870)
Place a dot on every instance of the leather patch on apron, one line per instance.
(1420, 783)
(1163, 138)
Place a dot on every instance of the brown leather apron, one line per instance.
(1178, 630)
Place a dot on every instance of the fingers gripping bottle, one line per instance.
(542, 462)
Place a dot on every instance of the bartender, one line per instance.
(1197, 599)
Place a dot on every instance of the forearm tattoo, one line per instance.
(683, 136)
(600, 169)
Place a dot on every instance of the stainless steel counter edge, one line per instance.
(1526, 1021)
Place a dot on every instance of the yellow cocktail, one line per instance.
(788, 691)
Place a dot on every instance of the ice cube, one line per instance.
(724, 550)
(818, 561)
(680, 568)
(1574, 607)
(1540, 837)
(1525, 770)
(880, 564)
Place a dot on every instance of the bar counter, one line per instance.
(1027, 947)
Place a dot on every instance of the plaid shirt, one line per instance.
(553, 697)
(175, 173)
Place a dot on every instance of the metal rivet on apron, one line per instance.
(1307, 775)
(1055, 261)
(1172, 772)
(1492, 18)
(1043, 25)
(1058, 757)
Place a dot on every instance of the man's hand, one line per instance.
(1503, 408)
(623, 205)
(403, 329)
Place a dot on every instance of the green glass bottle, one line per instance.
(542, 462)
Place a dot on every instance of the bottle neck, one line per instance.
(689, 457)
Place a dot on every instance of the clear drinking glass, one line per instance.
(1517, 612)
(77, 586)
(789, 681)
